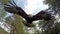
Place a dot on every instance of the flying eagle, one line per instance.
(13, 8)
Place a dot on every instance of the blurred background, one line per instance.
(13, 23)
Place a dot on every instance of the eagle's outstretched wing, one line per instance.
(13, 8)
(42, 15)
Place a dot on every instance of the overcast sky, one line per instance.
(32, 6)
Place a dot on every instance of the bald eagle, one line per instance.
(13, 8)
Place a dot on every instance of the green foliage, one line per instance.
(2, 31)
(54, 4)
(2, 15)
(5, 1)
(53, 30)
(17, 24)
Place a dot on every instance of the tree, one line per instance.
(54, 4)
(17, 25)
(2, 11)
(2, 15)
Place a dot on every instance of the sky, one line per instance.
(31, 6)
